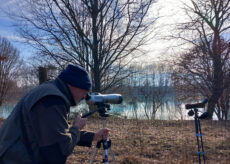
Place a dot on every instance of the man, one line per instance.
(37, 130)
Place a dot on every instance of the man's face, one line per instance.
(78, 93)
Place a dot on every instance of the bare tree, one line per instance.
(193, 77)
(205, 64)
(9, 66)
(156, 89)
(96, 34)
(148, 88)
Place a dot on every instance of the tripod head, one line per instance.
(102, 108)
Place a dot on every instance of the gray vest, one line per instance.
(13, 149)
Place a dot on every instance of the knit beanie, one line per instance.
(76, 76)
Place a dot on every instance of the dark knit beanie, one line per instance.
(76, 76)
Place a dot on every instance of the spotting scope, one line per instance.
(197, 105)
(104, 98)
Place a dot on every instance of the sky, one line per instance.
(7, 30)
(170, 11)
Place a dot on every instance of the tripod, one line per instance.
(199, 134)
(102, 108)
(194, 110)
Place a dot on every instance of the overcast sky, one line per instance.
(170, 10)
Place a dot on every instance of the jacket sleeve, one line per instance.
(86, 138)
(49, 119)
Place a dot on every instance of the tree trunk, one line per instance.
(96, 71)
(217, 75)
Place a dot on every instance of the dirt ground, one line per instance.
(158, 142)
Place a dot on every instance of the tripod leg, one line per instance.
(202, 146)
(197, 134)
(106, 157)
(93, 156)
(113, 155)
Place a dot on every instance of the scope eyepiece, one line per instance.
(87, 97)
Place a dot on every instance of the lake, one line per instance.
(168, 111)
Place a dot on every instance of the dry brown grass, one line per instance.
(159, 142)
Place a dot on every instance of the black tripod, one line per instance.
(199, 134)
(102, 108)
(194, 110)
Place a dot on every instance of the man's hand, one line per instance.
(79, 122)
(101, 134)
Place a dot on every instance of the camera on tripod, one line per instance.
(97, 98)
(194, 107)
(102, 101)
(194, 111)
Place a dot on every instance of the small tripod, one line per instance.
(102, 109)
(194, 110)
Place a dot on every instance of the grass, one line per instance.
(158, 142)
